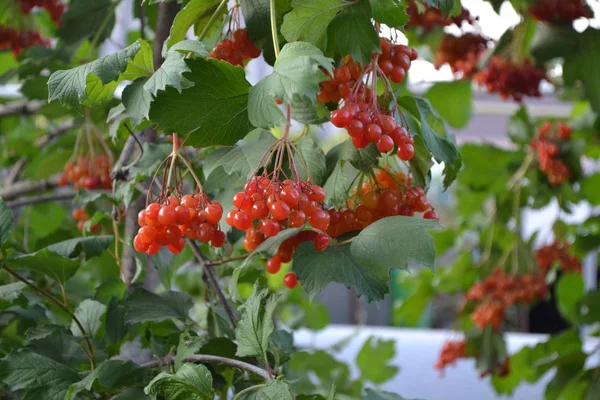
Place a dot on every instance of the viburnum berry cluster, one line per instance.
(384, 194)
(431, 17)
(451, 352)
(90, 164)
(172, 216)
(56, 8)
(236, 47)
(271, 203)
(547, 256)
(500, 290)
(365, 120)
(547, 146)
(16, 40)
(462, 53)
(560, 10)
(511, 79)
(81, 216)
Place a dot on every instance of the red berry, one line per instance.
(398, 74)
(152, 211)
(359, 142)
(356, 128)
(297, 218)
(290, 280)
(274, 265)
(317, 193)
(319, 220)
(341, 118)
(218, 239)
(242, 221)
(259, 210)
(213, 212)
(280, 210)
(140, 245)
(321, 242)
(183, 215)
(290, 195)
(406, 152)
(385, 144)
(230, 217)
(373, 132)
(269, 227)
(167, 215)
(431, 214)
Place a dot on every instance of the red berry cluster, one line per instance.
(88, 173)
(560, 10)
(547, 146)
(55, 7)
(341, 84)
(387, 194)
(432, 17)
(450, 353)
(557, 252)
(462, 53)
(510, 79)
(237, 49)
(500, 291)
(81, 216)
(16, 41)
(395, 59)
(166, 223)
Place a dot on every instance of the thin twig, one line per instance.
(43, 198)
(212, 19)
(20, 108)
(212, 279)
(210, 359)
(25, 187)
(228, 259)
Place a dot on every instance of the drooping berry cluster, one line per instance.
(56, 8)
(341, 84)
(547, 256)
(547, 147)
(451, 352)
(498, 291)
(510, 79)
(384, 195)
(431, 17)
(87, 172)
(237, 49)
(16, 41)
(560, 10)
(462, 53)
(81, 216)
(167, 222)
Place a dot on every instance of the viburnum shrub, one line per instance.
(168, 218)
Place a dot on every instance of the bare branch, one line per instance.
(43, 198)
(60, 130)
(21, 108)
(26, 187)
(209, 359)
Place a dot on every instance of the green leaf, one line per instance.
(445, 6)
(136, 100)
(85, 19)
(240, 159)
(453, 101)
(364, 264)
(520, 128)
(584, 66)
(314, 159)
(197, 112)
(256, 324)
(191, 382)
(141, 66)
(192, 13)
(433, 133)
(589, 188)
(390, 12)
(361, 159)
(296, 76)
(91, 245)
(306, 111)
(569, 293)
(309, 19)
(335, 186)
(89, 313)
(274, 390)
(374, 358)
(143, 306)
(110, 375)
(351, 32)
(6, 220)
(77, 86)
(11, 291)
(34, 373)
(170, 74)
(132, 394)
(372, 394)
(553, 41)
(421, 163)
(188, 345)
(46, 262)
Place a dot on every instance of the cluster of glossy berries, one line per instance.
(387, 194)
(451, 352)
(395, 59)
(166, 223)
(87, 173)
(81, 216)
(560, 10)
(547, 146)
(510, 79)
(556, 252)
(431, 17)
(56, 8)
(499, 291)
(237, 49)
(462, 53)
(342, 82)
(16, 41)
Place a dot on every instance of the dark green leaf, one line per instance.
(390, 12)
(6, 220)
(453, 101)
(89, 313)
(584, 65)
(191, 382)
(46, 262)
(194, 12)
(374, 358)
(314, 158)
(256, 324)
(589, 188)
(421, 163)
(553, 41)
(196, 112)
(335, 186)
(274, 390)
(85, 19)
(136, 100)
(445, 6)
(306, 111)
(309, 19)
(569, 293)
(132, 394)
(170, 74)
(91, 245)
(110, 375)
(188, 345)
(372, 394)
(143, 306)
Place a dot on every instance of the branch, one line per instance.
(21, 108)
(212, 279)
(120, 170)
(25, 187)
(209, 359)
(43, 198)
(60, 130)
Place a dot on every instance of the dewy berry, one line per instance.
(236, 47)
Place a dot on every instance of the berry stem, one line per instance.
(191, 170)
(274, 27)
(212, 20)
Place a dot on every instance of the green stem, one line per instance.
(274, 27)
(212, 19)
(248, 390)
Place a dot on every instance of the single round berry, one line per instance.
(406, 152)
(290, 195)
(319, 220)
(297, 218)
(341, 118)
(385, 144)
(167, 215)
(356, 128)
(290, 280)
(431, 214)
(321, 242)
(242, 221)
(218, 239)
(280, 210)
(152, 211)
(273, 265)
(269, 227)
